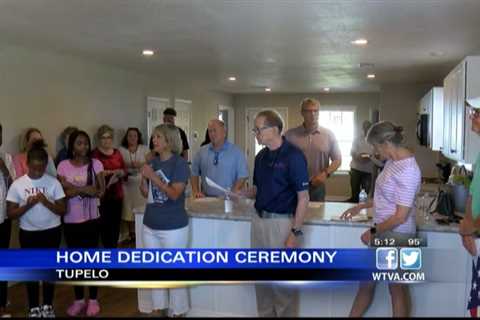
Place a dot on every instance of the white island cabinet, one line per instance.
(446, 265)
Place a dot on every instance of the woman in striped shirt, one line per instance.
(394, 208)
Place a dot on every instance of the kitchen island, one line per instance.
(445, 262)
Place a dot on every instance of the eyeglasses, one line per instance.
(258, 130)
(473, 112)
(315, 111)
(106, 137)
(215, 158)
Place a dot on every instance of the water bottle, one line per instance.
(228, 204)
(362, 199)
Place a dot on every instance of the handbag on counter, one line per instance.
(446, 205)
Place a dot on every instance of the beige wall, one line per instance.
(51, 90)
(399, 104)
(365, 102)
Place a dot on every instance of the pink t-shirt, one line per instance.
(79, 209)
(397, 184)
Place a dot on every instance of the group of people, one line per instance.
(88, 190)
(84, 192)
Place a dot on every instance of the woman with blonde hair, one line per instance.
(20, 160)
(394, 208)
(165, 223)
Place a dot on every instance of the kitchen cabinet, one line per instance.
(463, 82)
(432, 105)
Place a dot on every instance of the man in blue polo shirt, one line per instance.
(281, 199)
(221, 161)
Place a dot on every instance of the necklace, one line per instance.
(133, 169)
(134, 155)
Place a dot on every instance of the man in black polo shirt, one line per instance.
(169, 115)
(281, 200)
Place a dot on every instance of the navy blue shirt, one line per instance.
(278, 176)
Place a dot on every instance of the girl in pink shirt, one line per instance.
(83, 181)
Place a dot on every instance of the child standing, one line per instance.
(38, 200)
(84, 184)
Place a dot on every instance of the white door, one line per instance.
(183, 119)
(227, 115)
(252, 148)
(155, 107)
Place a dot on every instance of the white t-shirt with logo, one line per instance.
(38, 217)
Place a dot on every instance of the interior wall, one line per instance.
(50, 91)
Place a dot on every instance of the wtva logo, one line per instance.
(387, 258)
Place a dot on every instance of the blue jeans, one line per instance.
(317, 193)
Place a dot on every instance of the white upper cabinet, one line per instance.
(432, 105)
(459, 142)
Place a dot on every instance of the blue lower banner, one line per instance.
(189, 264)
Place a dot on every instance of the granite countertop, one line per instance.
(319, 213)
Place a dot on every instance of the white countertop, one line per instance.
(319, 213)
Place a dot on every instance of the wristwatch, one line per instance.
(297, 232)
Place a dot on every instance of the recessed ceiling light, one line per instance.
(148, 52)
(366, 65)
(326, 89)
(437, 54)
(232, 78)
(360, 42)
(268, 89)
(371, 76)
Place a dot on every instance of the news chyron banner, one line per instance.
(381, 264)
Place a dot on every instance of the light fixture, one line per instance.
(366, 65)
(268, 89)
(371, 76)
(360, 42)
(147, 52)
(232, 79)
(437, 54)
(326, 89)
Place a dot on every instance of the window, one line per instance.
(341, 123)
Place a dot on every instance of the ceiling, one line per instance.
(290, 46)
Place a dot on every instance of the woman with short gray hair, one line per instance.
(394, 208)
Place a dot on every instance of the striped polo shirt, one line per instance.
(397, 184)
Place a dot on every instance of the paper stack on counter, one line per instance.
(212, 184)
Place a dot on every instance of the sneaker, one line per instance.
(47, 311)
(4, 313)
(77, 307)
(35, 313)
(93, 308)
